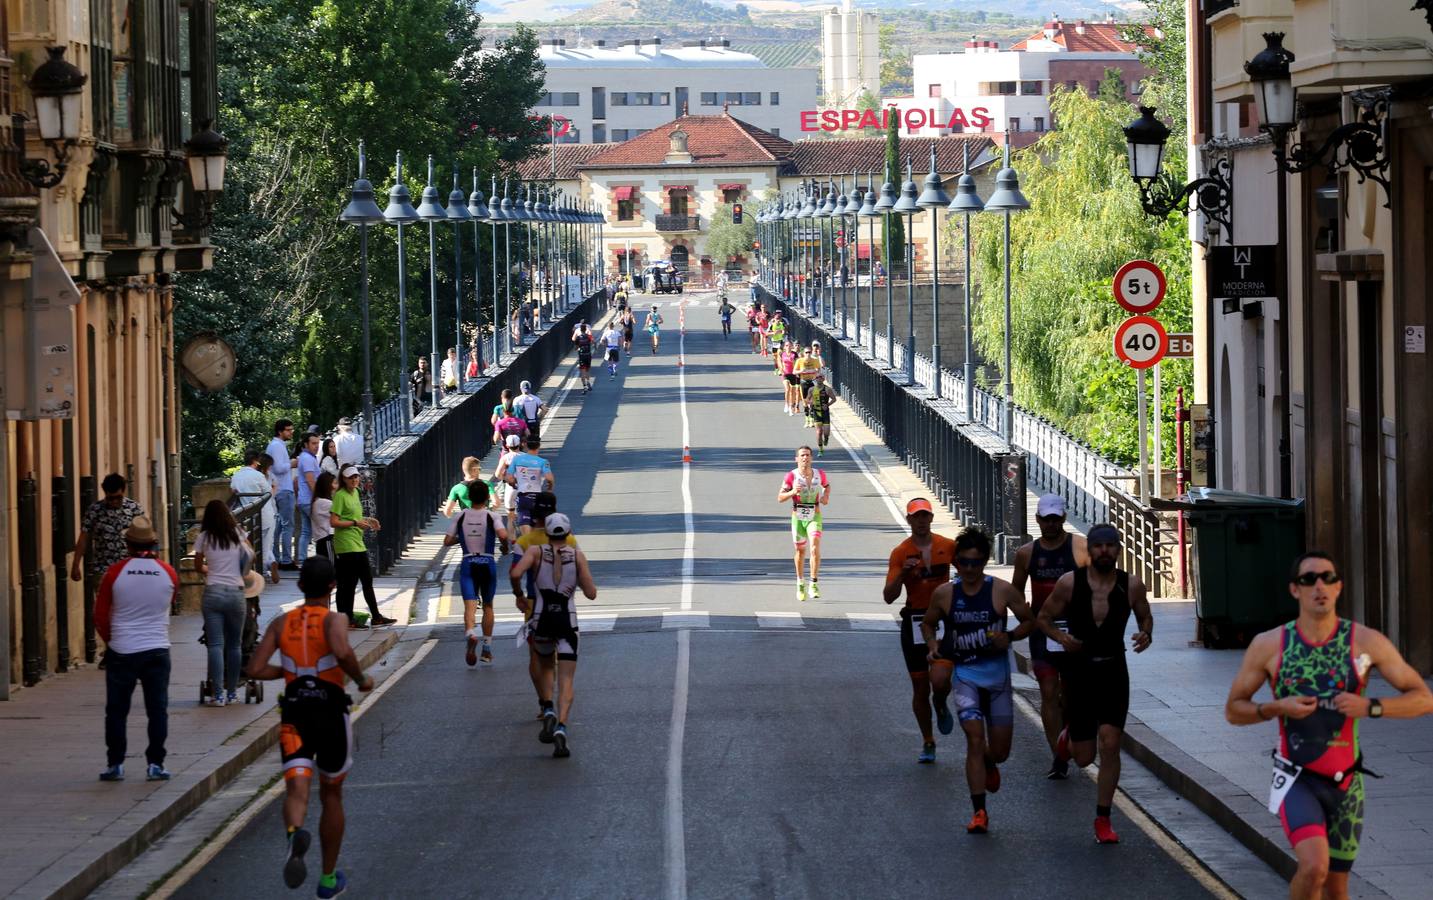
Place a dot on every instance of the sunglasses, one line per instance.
(1309, 579)
(970, 562)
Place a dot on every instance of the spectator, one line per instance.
(132, 616)
(223, 556)
(251, 484)
(328, 457)
(448, 373)
(349, 443)
(349, 523)
(422, 381)
(281, 476)
(475, 360)
(322, 516)
(309, 470)
(102, 530)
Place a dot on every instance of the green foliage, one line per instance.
(893, 231)
(1084, 222)
(1163, 52)
(896, 71)
(726, 240)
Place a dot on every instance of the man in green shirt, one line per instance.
(458, 496)
(349, 523)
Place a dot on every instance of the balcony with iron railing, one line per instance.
(675, 223)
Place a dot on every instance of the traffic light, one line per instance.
(736, 214)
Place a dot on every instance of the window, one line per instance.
(599, 134)
(932, 90)
(570, 98)
(679, 203)
(563, 98)
(617, 99)
(626, 210)
(637, 132)
(1005, 88)
(1072, 85)
(1015, 124)
(573, 136)
(619, 134)
(1032, 88)
(1094, 88)
(776, 132)
(751, 98)
(732, 97)
(775, 98)
(731, 195)
(1039, 123)
(709, 98)
(663, 99)
(642, 99)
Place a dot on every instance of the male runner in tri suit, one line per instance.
(806, 369)
(654, 327)
(528, 473)
(919, 564)
(818, 401)
(786, 361)
(629, 325)
(543, 505)
(314, 733)
(613, 340)
(552, 629)
(763, 322)
(1097, 601)
(1043, 561)
(808, 490)
(725, 312)
(775, 331)
(751, 328)
(972, 658)
(1317, 667)
(478, 532)
(585, 341)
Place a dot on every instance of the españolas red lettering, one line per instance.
(912, 119)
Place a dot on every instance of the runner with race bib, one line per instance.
(807, 489)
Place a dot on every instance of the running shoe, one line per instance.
(815, 591)
(801, 591)
(231, 697)
(216, 700)
(295, 870)
(1062, 745)
(944, 719)
(113, 773)
(992, 778)
(156, 772)
(549, 723)
(1059, 770)
(383, 620)
(820, 449)
(472, 655)
(487, 655)
(786, 409)
(979, 823)
(340, 884)
(927, 754)
(559, 740)
(1104, 832)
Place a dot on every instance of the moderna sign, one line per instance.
(910, 119)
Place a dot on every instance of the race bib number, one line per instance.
(1052, 645)
(916, 633)
(805, 513)
(1285, 774)
(529, 480)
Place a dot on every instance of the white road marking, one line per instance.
(779, 620)
(685, 620)
(880, 489)
(873, 621)
(261, 801)
(676, 828)
(589, 624)
(689, 550)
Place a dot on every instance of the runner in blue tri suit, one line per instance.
(478, 532)
(654, 327)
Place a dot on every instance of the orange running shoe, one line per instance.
(1104, 832)
(979, 823)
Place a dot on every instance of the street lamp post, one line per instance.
(458, 214)
(868, 212)
(495, 218)
(907, 206)
(478, 211)
(509, 216)
(853, 208)
(883, 208)
(934, 199)
(432, 212)
(967, 201)
(400, 212)
(838, 226)
(1007, 199)
(362, 212)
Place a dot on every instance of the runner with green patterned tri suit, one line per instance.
(807, 489)
(818, 401)
(1317, 668)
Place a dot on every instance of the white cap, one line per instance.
(348, 471)
(525, 386)
(514, 440)
(557, 526)
(1050, 505)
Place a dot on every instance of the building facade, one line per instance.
(613, 94)
(1312, 328)
(850, 56)
(87, 265)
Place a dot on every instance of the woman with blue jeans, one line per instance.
(222, 555)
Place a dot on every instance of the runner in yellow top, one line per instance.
(806, 370)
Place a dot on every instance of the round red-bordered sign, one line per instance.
(1141, 342)
(1139, 286)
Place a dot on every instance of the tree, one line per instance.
(1160, 39)
(896, 71)
(727, 240)
(893, 232)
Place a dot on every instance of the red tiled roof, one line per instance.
(842, 157)
(569, 158)
(1098, 37)
(711, 140)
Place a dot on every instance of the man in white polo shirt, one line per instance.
(132, 615)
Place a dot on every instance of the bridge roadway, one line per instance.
(753, 747)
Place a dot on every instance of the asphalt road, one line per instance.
(796, 772)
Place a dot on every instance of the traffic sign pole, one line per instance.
(1158, 437)
(1143, 441)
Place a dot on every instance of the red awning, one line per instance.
(672, 188)
(863, 251)
(620, 251)
(731, 187)
(623, 193)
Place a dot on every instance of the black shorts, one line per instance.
(791, 380)
(913, 648)
(1096, 693)
(584, 360)
(314, 730)
(614, 355)
(821, 416)
(627, 334)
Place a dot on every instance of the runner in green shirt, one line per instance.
(458, 496)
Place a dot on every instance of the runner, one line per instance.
(786, 361)
(543, 505)
(502, 410)
(763, 325)
(584, 342)
(314, 732)
(1317, 667)
(725, 311)
(529, 408)
(629, 325)
(459, 496)
(972, 658)
(1097, 600)
(552, 629)
(654, 327)
(818, 402)
(621, 297)
(510, 423)
(614, 339)
(528, 473)
(751, 327)
(776, 332)
(919, 564)
(808, 490)
(512, 446)
(476, 531)
(806, 370)
(816, 354)
(1043, 561)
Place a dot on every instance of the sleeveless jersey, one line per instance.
(476, 531)
(1106, 640)
(556, 614)
(304, 649)
(969, 623)
(1325, 742)
(810, 488)
(1046, 567)
(547, 577)
(584, 344)
(788, 363)
(818, 400)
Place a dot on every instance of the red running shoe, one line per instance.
(992, 778)
(979, 823)
(1062, 745)
(1104, 833)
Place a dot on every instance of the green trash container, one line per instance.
(1243, 544)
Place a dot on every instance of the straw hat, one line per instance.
(141, 531)
(253, 584)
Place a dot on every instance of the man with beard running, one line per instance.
(1043, 561)
(808, 490)
(1317, 667)
(1097, 601)
(972, 659)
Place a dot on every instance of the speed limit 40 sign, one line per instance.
(1140, 342)
(1139, 286)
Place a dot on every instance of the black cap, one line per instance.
(315, 576)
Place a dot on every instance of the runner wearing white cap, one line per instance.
(529, 407)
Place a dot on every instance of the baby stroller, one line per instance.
(253, 689)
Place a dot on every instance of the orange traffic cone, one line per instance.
(686, 454)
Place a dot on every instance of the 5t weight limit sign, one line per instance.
(1141, 342)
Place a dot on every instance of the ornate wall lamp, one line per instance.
(1159, 194)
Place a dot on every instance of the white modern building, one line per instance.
(615, 93)
(850, 56)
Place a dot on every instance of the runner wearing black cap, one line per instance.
(1097, 601)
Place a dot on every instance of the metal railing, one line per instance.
(1148, 544)
(678, 223)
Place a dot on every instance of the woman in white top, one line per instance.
(328, 458)
(321, 515)
(223, 556)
